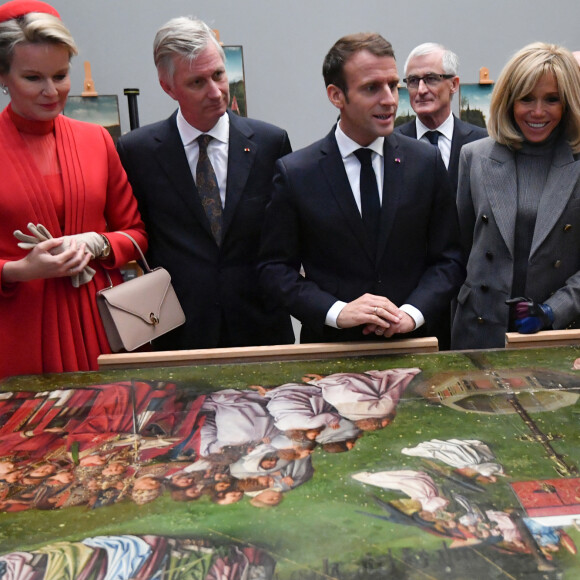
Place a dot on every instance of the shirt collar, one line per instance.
(188, 133)
(347, 146)
(446, 128)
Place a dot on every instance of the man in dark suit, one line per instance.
(203, 200)
(369, 215)
(431, 76)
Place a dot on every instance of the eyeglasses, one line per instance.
(431, 80)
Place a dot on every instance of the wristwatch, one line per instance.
(106, 248)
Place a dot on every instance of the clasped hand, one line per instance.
(74, 254)
(378, 315)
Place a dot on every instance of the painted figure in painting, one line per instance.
(301, 411)
(468, 455)
(419, 486)
(454, 517)
(368, 399)
(134, 441)
(237, 418)
(139, 558)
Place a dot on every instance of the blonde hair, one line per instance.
(33, 28)
(518, 79)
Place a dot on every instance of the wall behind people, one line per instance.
(284, 44)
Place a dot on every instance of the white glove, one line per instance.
(94, 242)
(39, 234)
(94, 245)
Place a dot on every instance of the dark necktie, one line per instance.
(209, 191)
(433, 137)
(369, 195)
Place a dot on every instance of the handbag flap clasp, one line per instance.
(147, 307)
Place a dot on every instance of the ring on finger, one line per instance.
(375, 309)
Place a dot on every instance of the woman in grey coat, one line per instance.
(519, 204)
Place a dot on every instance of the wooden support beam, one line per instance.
(266, 353)
(543, 338)
(89, 89)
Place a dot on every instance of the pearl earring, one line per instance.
(5, 89)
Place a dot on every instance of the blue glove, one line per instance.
(530, 316)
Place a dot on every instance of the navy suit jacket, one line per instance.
(313, 221)
(462, 133)
(217, 286)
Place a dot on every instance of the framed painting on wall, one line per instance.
(474, 102)
(236, 77)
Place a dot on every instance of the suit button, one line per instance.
(567, 227)
(484, 218)
(484, 288)
(480, 320)
(557, 263)
(489, 256)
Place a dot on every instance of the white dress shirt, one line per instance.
(445, 137)
(217, 149)
(347, 147)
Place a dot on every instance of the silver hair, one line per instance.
(185, 37)
(450, 59)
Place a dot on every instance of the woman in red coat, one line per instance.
(60, 178)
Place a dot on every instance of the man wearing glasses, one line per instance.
(431, 78)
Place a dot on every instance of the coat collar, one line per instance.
(501, 189)
(562, 179)
(242, 153)
(500, 185)
(461, 132)
(333, 169)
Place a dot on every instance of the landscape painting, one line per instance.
(102, 110)
(236, 78)
(474, 102)
(404, 111)
(437, 466)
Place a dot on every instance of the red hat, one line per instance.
(17, 8)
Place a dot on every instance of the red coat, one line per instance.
(47, 325)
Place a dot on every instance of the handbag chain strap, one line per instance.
(143, 260)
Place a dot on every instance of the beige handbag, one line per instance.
(140, 310)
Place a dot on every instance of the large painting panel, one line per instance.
(447, 465)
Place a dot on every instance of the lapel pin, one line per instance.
(397, 160)
(247, 149)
